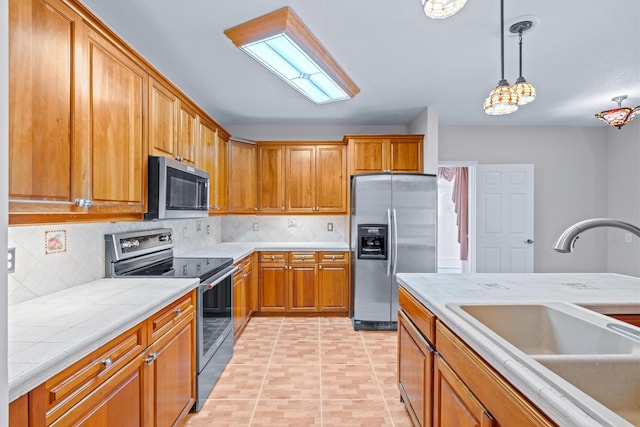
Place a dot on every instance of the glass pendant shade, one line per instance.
(440, 9)
(620, 116)
(526, 92)
(502, 100)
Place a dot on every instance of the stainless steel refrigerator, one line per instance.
(393, 230)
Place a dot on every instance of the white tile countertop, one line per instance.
(606, 293)
(239, 250)
(50, 333)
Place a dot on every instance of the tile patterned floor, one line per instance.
(307, 372)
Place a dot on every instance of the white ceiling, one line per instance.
(580, 54)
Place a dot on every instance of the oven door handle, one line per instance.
(206, 285)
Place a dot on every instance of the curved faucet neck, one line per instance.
(568, 238)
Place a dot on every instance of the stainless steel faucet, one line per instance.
(567, 240)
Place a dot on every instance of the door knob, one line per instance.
(528, 241)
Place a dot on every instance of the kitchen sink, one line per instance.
(612, 380)
(538, 329)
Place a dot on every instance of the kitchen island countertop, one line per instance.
(49, 333)
(602, 292)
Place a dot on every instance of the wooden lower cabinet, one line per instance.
(119, 401)
(144, 377)
(304, 282)
(242, 294)
(454, 404)
(302, 288)
(633, 319)
(464, 389)
(415, 372)
(172, 386)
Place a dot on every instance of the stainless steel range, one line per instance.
(149, 253)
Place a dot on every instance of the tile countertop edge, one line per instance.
(558, 407)
(239, 250)
(28, 379)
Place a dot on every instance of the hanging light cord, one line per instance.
(520, 36)
(502, 37)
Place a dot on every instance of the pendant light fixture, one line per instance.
(526, 92)
(440, 9)
(620, 116)
(503, 99)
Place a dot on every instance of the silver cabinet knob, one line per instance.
(106, 363)
(177, 311)
(151, 358)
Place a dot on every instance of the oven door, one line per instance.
(215, 314)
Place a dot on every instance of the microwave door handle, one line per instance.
(387, 242)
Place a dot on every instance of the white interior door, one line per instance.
(504, 218)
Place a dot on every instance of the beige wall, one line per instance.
(570, 166)
(623, 197)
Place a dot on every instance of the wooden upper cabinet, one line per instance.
(118, 89)
(300, 178)
(45, 57)
(331, 178)
(242, 177)
(271, 178)
(213, 159)
(381, 153)
(163, 120)
(188, 136)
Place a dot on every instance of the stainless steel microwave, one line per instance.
(176, 190)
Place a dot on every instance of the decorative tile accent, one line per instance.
(55, 241)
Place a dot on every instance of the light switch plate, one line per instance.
(255, 226)
(11, 260)
(329, 226)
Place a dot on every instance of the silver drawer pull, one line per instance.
(177, 311)
(106, 363)
(151, 358)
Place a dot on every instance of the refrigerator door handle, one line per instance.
(395, 241)
(388, 244)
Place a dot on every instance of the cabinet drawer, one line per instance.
(71, 385)
(303, 257)
(171, 315)
(273, 257)
(418, 313)
(339, 257)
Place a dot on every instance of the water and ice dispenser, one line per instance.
(372, 241)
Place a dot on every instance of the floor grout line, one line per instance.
(266, 372)
(375, 374)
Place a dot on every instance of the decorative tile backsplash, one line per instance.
(50, 258)
(54, 257)
(263, 228)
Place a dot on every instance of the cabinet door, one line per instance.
(221, 173)
(188, 138)
(454, 404)
(300, 178)
(415, 372)
(238, 283)
(119, 401)
(271, 178)
(45, 120)
(302, 288)
(272, 288)
(331, 178)
(163, 120)
(173, 388)
(406, 154)
(242, 178)
(333, 287)
(117, 87)
(368, 155)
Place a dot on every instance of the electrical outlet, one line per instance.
(184, 232)
(208, 229)
(255, 226)
(628, 237)
(329, 226)
(198, 225)
(292, 223)
(11, 260)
